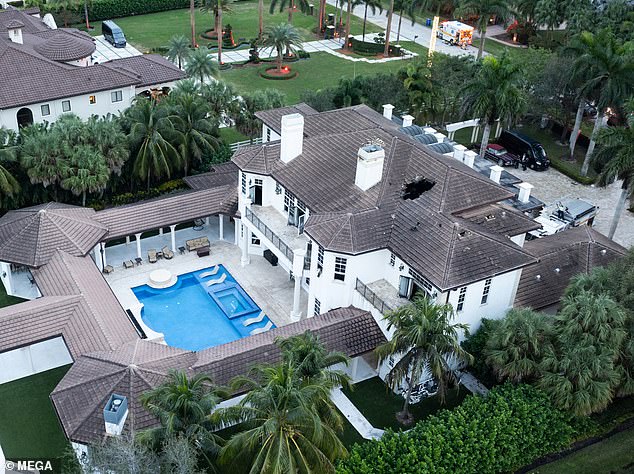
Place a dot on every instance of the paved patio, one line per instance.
(270, 287)
(105, 51)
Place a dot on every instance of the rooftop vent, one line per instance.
(416, 187)
(370, 160)
(489, 217)
(115, 413)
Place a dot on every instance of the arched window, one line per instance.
(24, 117)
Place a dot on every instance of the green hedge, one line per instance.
(570, 170)
(502, 432)
(365, 47)
(108, 9)
(264, 74)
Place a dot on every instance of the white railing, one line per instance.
(236, 145)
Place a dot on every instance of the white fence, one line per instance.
(236, 145)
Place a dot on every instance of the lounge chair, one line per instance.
(210, 273)
(167, 253)
(151, 256)
(128, 264)
(217, 281)
(257, 319)
(108, 269)
(268, 326)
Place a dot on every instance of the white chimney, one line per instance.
(440, 137)
(408, 120)
(525, 191)
(387, 111)
(429, 130)
(115, 413)
(469, 158)
(369, 166)
(14, 28)
(458, 152)
(496, 173)
(292, 137)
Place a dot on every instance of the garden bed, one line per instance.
(273, 74)
(380, 405)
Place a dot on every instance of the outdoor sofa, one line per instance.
(195, 244)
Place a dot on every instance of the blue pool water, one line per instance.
(194, 316)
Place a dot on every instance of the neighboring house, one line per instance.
(47, 72)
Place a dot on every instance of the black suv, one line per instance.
(530, 152)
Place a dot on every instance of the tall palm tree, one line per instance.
(291, 5)
(607, 69)
(388, 29)
(105, 135)
(288, 424)
(222, 99)
(424, 339)
(87, 172)
(178, 50)
(484, 10)
(373, 5)
(407, 7)
(183, 405)
(191, 116)
(200, 65)
(494, 94)
(153, 140)
(281, 37)
(617, 154)
(350, 5)
(42, 156)
(516, 346)
(192, 22)
(9, 186)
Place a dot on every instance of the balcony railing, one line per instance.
(234, 146)
(371, 297)
(269, 234)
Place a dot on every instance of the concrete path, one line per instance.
(354, 416)
(472, 384)
(105, 51)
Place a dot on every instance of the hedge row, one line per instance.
(571, 171)
(108, 9)
(128, 198)
(509, 428)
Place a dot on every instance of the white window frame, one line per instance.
(92, 99)
(320, 257)
(116, 96)
(48, 109)
(462, 295)
(66, 106)
(255, 240)
(243, 183)
(485, 291)
(317, 307)
(392, 259)
(341, 264)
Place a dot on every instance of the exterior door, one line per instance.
(300, 224)
(404, 286)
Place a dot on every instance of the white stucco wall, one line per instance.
(33, 359)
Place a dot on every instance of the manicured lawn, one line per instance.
(380, 405)
(155, 29)
(614, 455)
(6, 300)
(230, 135)
(350, 436)
(492, 47)
(319, 71)
(29, 428)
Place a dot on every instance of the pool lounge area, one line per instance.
(204, 308)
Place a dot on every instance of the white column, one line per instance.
(207, 220)
(353, 368)
(102, 249)
(221, 227)
(127, 240)
(173, 235)
(496, 173)
(160, 231)
(236, 231)
(244, 246)
(298, 270)
(138, 245)
(474, 134)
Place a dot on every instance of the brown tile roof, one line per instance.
(149, 69)
(500, 219)
(574, 251)
(168, 210)
(31, 236)
(343, 218)
(140, 365)
(30, 24)
(219, 175)
(65, 47)
(12, 24)
(77, 304)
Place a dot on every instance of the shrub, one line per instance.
(107, 9)
(265, 74)
(508, 429)
(571, 171)
(301, 54)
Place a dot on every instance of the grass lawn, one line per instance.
(29, 428)
(380, 405)
(492, 47)
(6, 300)
(155, 29)
(319, 71)
(614, 455)
(230, 135)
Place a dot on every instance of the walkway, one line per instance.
(472, 384)
(331, 46)
(354, 416)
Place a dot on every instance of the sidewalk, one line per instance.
(354, 416)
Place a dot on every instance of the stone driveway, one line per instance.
(551, 185)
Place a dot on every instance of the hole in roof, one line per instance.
(416, 187)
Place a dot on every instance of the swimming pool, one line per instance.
(203, 309)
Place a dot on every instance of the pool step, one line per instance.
(257, 319)
(268, 326)
(217, 281)
(212, 272)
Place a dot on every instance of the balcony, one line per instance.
(276, 230)
(381, 294)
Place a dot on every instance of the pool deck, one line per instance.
(270, 287)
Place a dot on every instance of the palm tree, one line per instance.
(280, 37)
(494, 94)
(87, 172)
(291, 4)
(41, 155)
(192, 21)
(388, 29)
(517, 344)
(311, 358)
(260, 18)
(66, 8)
(152, 138)
(424, 339)
(191, 117)
(222, 99)
(373, 5)
(607, 71)
(107, 137)
(617, 154)
(409, 8)
(484, 10)
(351, 4)
(178, 50)
(288, 424)
(9, 186)
(183, 405)
(201, 65)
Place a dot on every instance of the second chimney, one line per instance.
(292, 137)
(469, 158)
(496, 173)
(369, 166)
(525, 192)
(408, 120)
(387, 111)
